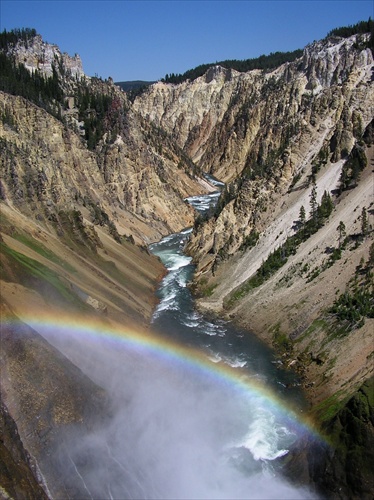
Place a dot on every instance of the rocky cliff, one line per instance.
(48, 399)
(43, 56)
(128, 179)
(227, 121)
(332, 106)
(16, 477)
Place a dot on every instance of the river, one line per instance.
(259, 433)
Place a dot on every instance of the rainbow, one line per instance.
(155, 346)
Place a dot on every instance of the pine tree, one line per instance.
(302, 220)
(344, 179)
(342, 232)
(326, 207)
(302, 215)
(313, 203)
(364, 222)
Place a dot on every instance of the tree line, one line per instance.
(99, 111)
(9, 39)
(16, 79)
(354, 29)
(265, 62)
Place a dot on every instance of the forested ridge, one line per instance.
(354, 29)
(11, 38)
(98, 111)
(274, 59)
(264, 62)
(16, 79)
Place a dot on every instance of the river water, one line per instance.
(222, 342)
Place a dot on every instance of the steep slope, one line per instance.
(49, 399)
(290, 303)
(289, 306)
(104, 155)
(52, 169)
(16, 477)
(85, 182)
(277, 120)
(340, 108)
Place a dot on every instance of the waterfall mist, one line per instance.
(171, 432)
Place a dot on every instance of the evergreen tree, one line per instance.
(302, 215)
(302, 220)
(344, 178)
(271, 61)
(371, 256)
(313, 203)
(364, 222)
(347, 31)
(342, 232)
(326, 207)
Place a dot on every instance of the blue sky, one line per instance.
(144, 40)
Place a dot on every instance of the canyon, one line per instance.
(77, 219)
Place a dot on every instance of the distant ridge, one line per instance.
(265, 62)
(270, 61)
(133, 85)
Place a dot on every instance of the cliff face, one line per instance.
(39, 55)
(47, 400)
(329, 96)
(265, 133)
(331, 120)
(51, 169)
(16, 477)
(190, 111)
(227, 121)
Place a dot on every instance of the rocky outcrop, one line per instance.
(222, 118)
(38, 55)
(267, 129)
(331, 61)
(131, 171)
(190, 111)
(18, 477)
(49, 398)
